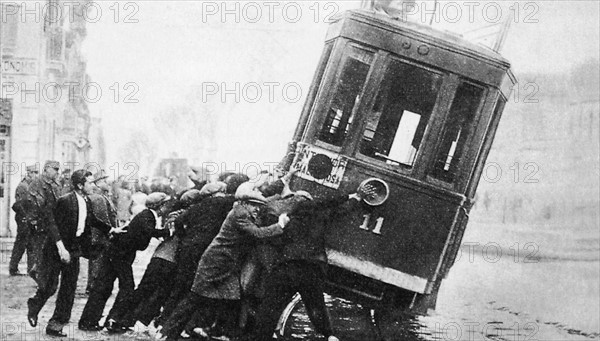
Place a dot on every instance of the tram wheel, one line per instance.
(350, 321)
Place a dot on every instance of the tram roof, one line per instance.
(444, 39)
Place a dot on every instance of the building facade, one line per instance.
(45, 114)
(543, 170)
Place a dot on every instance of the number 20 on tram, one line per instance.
(412, 111)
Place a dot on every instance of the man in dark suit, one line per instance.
(42, 195)
(116, 263)
(104, 210)
(68, 240)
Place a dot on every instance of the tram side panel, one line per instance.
(400, 242)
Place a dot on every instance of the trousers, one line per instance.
(145, 302)
(109, 268)
(23, 242)
(284, 281)
(51, 269)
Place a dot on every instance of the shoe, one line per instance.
(31, 318)
(53, 332)
(200, 332)
(16, 273)
(114, 327)
(332, 338)
(90, 327)
(140, 328)
(160, 336)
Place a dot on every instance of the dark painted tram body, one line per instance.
(416, 110)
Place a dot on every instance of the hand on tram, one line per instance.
(288, 176)
(283, 220)
(365, 191)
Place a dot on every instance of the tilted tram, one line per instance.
(412, 111)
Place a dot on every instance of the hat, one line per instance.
(52, 164)
(245, 192)
(233, 181)
(213, 187)
(32, 168)
(100, 176)
(156, 199)
(303, 194)
(191, 195)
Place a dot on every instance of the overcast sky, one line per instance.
(170, 50)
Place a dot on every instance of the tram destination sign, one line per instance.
(319, 165)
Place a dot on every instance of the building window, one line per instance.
(459, 125)
(400, 115)
(346, 97)
(55, 44)
(8, 32)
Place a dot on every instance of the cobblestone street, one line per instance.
(16, 291)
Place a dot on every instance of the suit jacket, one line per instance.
(140, 231)
(66, 216)
(43, 194)
(218, 273)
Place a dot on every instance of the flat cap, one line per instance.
(156, 199)
(191, 196)
(33, 168)
(213, 187)
(246, 192)
(100, 175)
(52, 164)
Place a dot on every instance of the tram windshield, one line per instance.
(457, 131)
(346, 96)
(400, 114)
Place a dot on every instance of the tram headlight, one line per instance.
(381, 191)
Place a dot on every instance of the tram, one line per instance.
(413, 112)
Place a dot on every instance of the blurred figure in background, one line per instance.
(122, 197)
(144, 184)
(23, 240)
(65, 182)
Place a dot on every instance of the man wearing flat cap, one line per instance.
(216, 288)
(197, 227)
(23, 241)
(105, 210)
(118, 261)
(43, 193)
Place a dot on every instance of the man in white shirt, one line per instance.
(68, 240)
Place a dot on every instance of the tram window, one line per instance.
(346, 97)
(400, 114)
(457, 130)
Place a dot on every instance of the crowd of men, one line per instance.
(232, 253)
